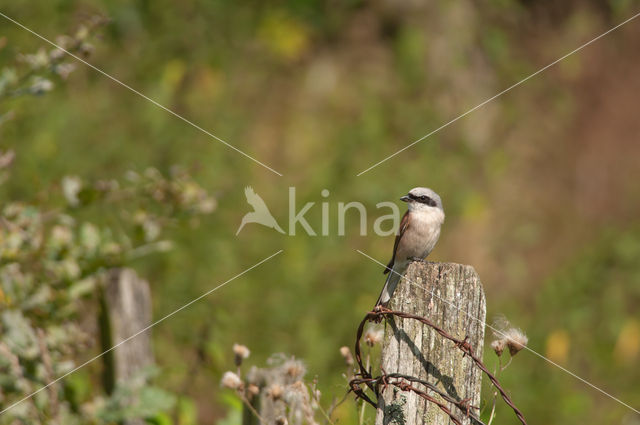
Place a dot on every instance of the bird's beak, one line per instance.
(405, 198)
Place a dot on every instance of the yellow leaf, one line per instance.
(284, 35)
(628, 344)
(558, 343)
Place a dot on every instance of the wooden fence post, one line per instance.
(414, 349)
(126, 309)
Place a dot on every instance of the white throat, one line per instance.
(426, 213)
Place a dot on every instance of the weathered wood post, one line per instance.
(126, 309)
(414, 349)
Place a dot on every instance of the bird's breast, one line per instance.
(422, 235)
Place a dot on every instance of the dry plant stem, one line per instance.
(336, 403)
(326, 414)
(495, 393)
(507, 365)
(493, 407)
(251, 408)
(361, 419)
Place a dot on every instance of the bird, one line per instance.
(260, 213)
(417, 236)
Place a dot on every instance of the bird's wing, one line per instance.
(404, 224)
(253, 198)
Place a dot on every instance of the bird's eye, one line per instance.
(427, 200)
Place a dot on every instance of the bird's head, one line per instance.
(422, 198)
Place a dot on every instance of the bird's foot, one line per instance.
(417, 259)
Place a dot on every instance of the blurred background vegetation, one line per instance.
(540, 186)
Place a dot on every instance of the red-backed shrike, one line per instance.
(418, 233)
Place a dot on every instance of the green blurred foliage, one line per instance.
(539, 185)
(52, 267)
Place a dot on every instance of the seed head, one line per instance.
(231, 380)
(275, 392)
(498, 346)
(508, 336)
(253, 390)
(373, 336)
(346, 355)
(294, 369)
(296, 393)
(516, 340)
(241, 352)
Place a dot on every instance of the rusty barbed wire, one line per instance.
(365, 376)
(400, 382)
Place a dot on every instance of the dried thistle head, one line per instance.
(296, 392)
(346, 355)
(240, 352)
(294, 369)
(516, 340)
(253, 390)
(498, 346)
(275, 392)
(508, 336)
(231, 380)
(373, 336)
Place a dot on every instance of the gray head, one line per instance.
(423, 197)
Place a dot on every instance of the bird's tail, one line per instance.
(389, 287)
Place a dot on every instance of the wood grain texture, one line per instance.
(432, 290)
